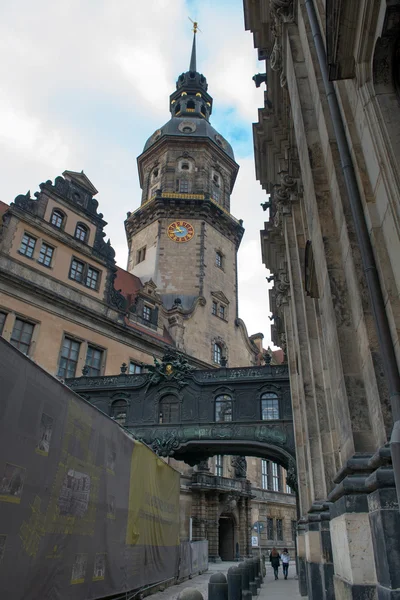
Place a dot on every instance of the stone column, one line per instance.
(301, 557)
(384, 518)
(242, 527)
(318, 551)
(213, 528)
(248, 526)
(352, 548)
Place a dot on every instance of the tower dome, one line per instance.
(190, 107)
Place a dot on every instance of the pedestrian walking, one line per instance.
(274, 558)
(285, 557)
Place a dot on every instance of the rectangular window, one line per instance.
(76, 270)
(218, 259)
(269, 406)
(69, 358)
(92, 278)
(141, 255)
(184, 186)
(275, 477)
(294, 529)
(27, 245)
(21, 336)
(134, 368)
(279, 530)
(223, 409)
(94, 357)
(270, 528)
(219, 465)
(264, 474)
(222, 312)
(46, 255)
(146, 313)
(214, 308)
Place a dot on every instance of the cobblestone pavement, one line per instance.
(271, 589)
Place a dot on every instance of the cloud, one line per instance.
(86, 83)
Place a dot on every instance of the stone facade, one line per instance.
(327, 153)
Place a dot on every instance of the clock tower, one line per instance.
(183, 236)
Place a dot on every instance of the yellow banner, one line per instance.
(153, 518)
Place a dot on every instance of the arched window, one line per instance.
(269, 407)
(169, 409)
(119, 409)
(81, 232)
(217, 353)
(223, 408)
(203, 110)
(190, 105)
(57, 219)
(177, 109)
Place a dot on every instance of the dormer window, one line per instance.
(81, 232)
(146, 313)
(57, 218)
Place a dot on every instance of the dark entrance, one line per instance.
(226, 537)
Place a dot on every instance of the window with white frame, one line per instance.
(57, 218)
(217, 353)
(146, 313)
(76, 270)
(92, 278)
(27, 246)
(81, 232)
(83, 273)
(275, 477)
(264, 474)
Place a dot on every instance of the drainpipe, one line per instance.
(368, 259)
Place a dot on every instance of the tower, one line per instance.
(183, 236)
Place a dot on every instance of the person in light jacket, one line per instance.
(274, 558)
(285, 557)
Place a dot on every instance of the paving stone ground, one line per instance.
(270, 590)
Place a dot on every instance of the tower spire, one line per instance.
(192, 66)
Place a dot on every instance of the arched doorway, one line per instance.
(226, 534)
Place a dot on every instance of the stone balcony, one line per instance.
(206, 481)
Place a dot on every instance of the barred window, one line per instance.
(27, 245)
(223, 408)
(76, 270)
(218, 259)
(184, 186)
(269, 406)
(46, 255)
(279, 530)
(94, 358)
(81, 232)
(294, 530)
(21, 336)
(68, 358)
(270, 528)
(92, 278)
(57, 218)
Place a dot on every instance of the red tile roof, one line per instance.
(278, 356)
(128, 284)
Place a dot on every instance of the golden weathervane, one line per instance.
(196, 27)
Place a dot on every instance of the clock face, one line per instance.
(180, 231)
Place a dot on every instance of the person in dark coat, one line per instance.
(274, 558)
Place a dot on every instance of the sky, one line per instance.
(83, 84)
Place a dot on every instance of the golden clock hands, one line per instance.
(179, 230)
